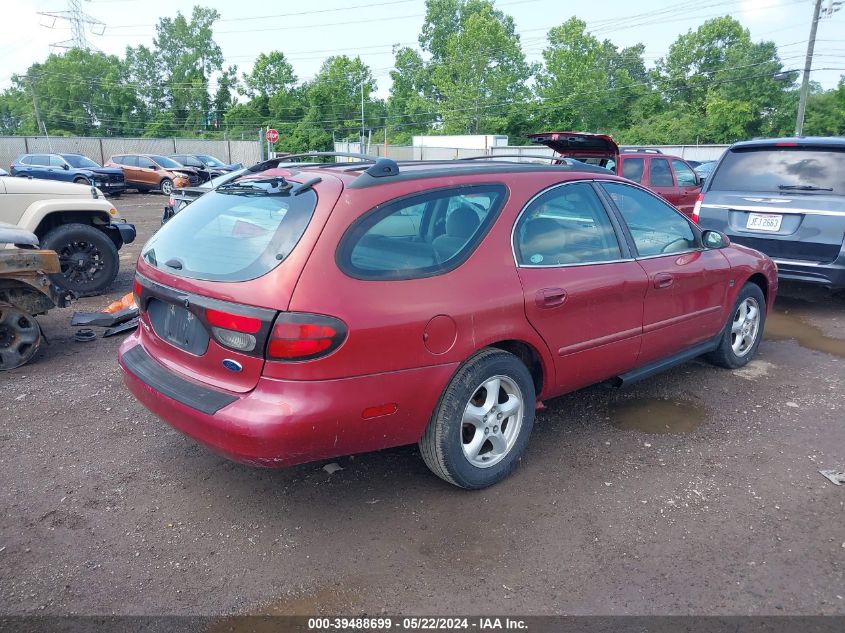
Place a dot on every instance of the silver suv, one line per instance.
(786, 198)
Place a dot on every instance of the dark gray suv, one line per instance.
(786, 198)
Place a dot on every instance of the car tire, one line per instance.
(473, 439)
(166, 186)
(81, 181)
(743, 332)
(87, 256)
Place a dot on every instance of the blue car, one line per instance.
(70, 168)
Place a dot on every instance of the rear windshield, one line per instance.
(782, 169)
(233, 235)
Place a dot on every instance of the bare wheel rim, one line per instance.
(19, 337)
(166, 187)
(491, 421)
(745, 326)
(81, 261)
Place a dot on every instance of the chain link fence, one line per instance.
(101, 149)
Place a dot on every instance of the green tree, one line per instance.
(410, 105)
(478, 70)
(80, 92)
(826, 111)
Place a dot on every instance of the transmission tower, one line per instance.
(80, 22)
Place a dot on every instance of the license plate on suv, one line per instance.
(764, 222)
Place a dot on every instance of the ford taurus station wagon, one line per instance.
(308, 312)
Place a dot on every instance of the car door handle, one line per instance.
(550, 297)
(663, 280)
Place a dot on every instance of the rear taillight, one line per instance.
(171, 201)
(235, 331)
(301, 336)
(136, 292)
(696, 210)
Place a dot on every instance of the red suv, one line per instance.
(315, 311)
(669, 176)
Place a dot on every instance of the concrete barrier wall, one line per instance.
(101, 149)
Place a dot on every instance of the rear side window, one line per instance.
(632, 169)
(231, 236)
(781, 170)
(55, 161)
(422, 235)
(39, 159)
(565, 225)
(131, 161)
(660, 175)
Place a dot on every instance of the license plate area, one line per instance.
(178, 326)
(769, 222)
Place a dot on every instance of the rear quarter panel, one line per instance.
(746, 262)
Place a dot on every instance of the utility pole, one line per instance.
(808, 63)
(79, 21)
(362, 116)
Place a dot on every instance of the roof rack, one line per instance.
(380, 166)
(645, 150)
(495, 156)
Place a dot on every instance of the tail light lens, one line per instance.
(235, 331)
(136, 291)
(300, 336)
(171, 201)
(696, 210)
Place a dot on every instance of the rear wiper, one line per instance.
(305, 186)
(804, 188)
(276, 186)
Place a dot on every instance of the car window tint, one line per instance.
(145, 162)
(660, 174)
(55, 161)
(421, 235)
(686, 176)
(25, 160)
(782, 170)
(39, 159)
(565, 225)
(655, 226)
(131, 161)
(632, 169)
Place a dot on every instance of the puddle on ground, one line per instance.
(655, 415)
(782, 326)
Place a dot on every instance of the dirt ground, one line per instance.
(694, 492)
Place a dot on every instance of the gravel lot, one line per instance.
(694, 492)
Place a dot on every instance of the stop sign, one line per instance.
(272, 135)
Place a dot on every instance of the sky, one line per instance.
(308, 32)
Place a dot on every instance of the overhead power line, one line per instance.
(79, 22)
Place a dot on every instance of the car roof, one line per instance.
(792, 141)
(366, 174)
(651, 155)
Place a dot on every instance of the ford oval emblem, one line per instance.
(232, 365)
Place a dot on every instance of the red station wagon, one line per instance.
(668, 176)
(310, 312)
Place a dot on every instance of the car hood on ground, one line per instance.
(579, 144)
(43, 186)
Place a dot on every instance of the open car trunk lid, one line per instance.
(579, 145)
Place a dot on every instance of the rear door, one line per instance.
(687, 284)
(787, 201)
(130, 169)
(583, 291)
(147, 172)
(688, 187)
(39, 166)
(661, 181)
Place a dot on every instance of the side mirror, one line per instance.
(715, 239)
(700, 180)
(65, 166)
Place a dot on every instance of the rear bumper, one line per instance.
(282, 422)
(827, 274)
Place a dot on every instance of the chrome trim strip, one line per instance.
(778, 211)
(607, 261)
(616, 337)
(659, 325)
(692, 250)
